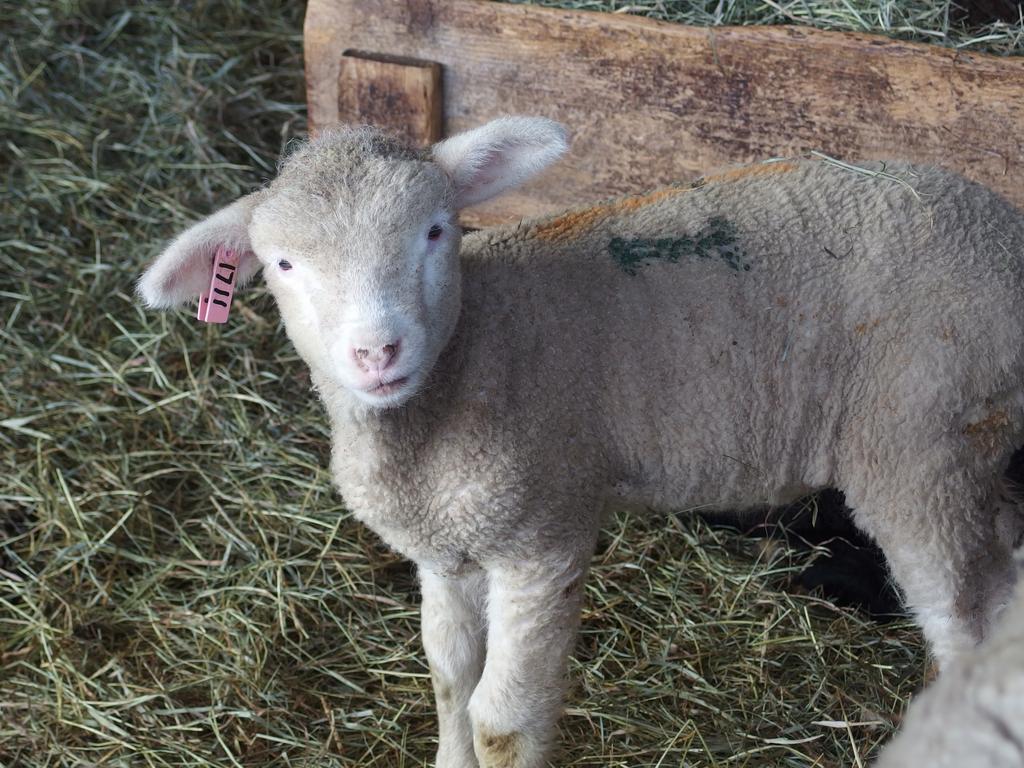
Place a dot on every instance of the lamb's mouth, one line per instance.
(388, 387)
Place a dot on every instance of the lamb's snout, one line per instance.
(375, 358)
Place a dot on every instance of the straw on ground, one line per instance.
(178, 584)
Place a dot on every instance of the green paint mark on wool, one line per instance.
(718, 239)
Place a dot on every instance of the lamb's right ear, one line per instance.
(183, 270)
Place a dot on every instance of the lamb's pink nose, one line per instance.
(376, 358)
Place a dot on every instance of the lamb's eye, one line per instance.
(284, 264)
(435, 232)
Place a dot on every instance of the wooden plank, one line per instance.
(398, 93)
(650, 102)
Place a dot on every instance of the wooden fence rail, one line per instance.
(651, 102)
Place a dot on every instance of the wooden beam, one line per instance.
(398, 93)
(651, 102)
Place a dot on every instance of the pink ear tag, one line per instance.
(216, 301)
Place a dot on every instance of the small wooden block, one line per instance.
(399, 94)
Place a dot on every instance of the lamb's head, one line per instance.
(358, 241)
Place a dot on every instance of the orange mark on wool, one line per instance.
(749, 171)
(987, 434)
(994, 421)
(575, 223)
(861, 328)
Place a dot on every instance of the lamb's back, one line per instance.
(727, 331)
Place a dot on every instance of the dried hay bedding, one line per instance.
(179, 586)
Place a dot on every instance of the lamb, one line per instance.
(973, 715)
(739, 341)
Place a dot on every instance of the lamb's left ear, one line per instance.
(183, 270)
(502, 154)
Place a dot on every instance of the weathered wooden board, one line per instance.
(400, 94)
(649, 102)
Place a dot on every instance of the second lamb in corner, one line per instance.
(737, 341)
(973, 715)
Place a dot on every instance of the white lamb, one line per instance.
(737, 341)
(973, 715)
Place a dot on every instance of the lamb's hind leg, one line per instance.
(943, 532)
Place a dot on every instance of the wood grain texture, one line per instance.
(651, 102)
(398, 93)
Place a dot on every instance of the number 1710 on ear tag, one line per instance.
(215, 303)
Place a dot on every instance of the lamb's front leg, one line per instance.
(533, 613)
(453, 637)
